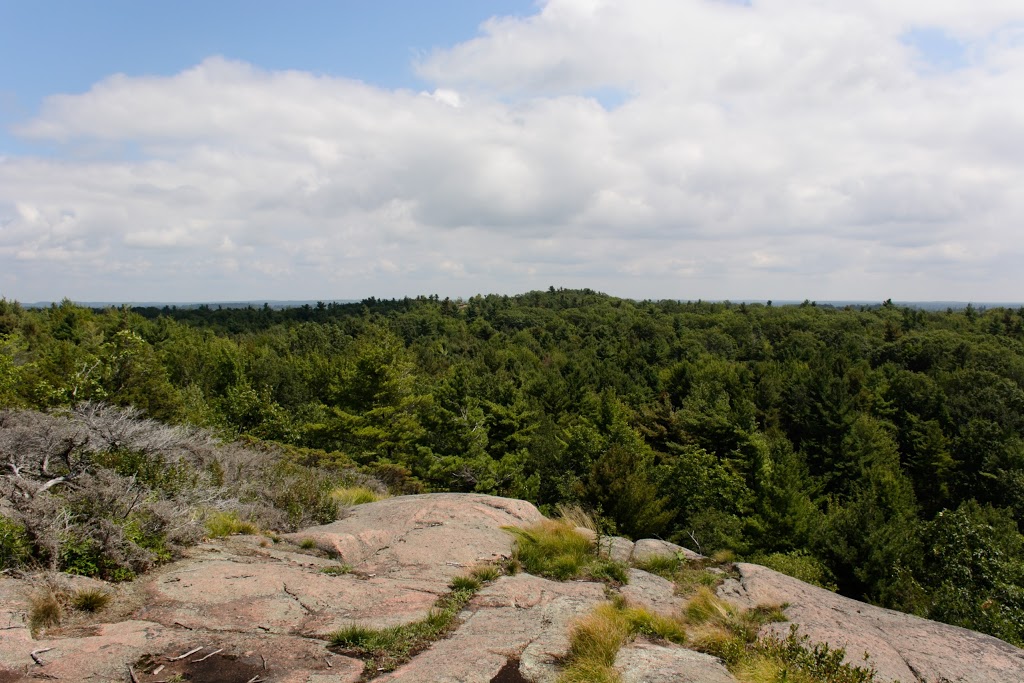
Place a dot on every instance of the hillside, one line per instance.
(877, 450)
(265, 611)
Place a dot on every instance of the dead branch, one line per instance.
(187, 654)
(34, 655)
(203, 659)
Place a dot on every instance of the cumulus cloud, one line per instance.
(657, 148)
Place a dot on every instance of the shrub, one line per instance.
(800, 565)
(15, 547)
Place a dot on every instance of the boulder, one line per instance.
(649, 548)
(653, 593)
(615, 548)
(643, 662)
(901, 647)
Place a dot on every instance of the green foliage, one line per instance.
(972, 555)
(837, 436)
(337, 570)
(553, 549)
(799, 564)
(15, 546)
(220, 524)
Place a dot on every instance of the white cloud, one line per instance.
(785, 149)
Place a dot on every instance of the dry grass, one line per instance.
(576, 516)
(595, 639)
(45, 611)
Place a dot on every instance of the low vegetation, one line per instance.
(356, 495)
(558, 550)
(90, 599)
(101, 492)
(875, 448)
(386, 649)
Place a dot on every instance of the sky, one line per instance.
(684, 149)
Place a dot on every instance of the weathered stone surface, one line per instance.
(643, 662)
(270, 607)
(431, 536)
(517, 618)
(615, 548)
(103, 652)
(648, 548)
(652, 592)
(902, 647)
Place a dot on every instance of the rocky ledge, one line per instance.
(248, 610)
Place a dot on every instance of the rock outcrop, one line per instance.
(901, 647)
(262, 611)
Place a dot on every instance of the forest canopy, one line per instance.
(877, 450)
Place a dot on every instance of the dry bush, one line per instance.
(100, 491)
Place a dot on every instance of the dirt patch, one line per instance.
(7, 676)
(509, 673)
(218, 668)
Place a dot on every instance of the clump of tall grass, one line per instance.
(44, 611)
(221, 524)
(558, 550)
(356, 495)
(90, 599)
(595, 639)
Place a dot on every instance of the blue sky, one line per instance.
(782, 149)
(66, 47)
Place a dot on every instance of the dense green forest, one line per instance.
(879, 451)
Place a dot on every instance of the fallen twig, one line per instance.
(178, 623)
(328, 660)
(264, 662)
(187, 654)
(39, 652)
(157, 670)
(203, 659)
(131, 674)
(254, 679)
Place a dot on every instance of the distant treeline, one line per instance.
(876, 449)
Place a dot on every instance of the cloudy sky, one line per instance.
(248, 149)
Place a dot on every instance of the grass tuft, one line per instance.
(308, 544)
(44, 611)
(90, 599)
(388, 648)
(222, 524)
(485, 573)
(336, 569)
(356, 495)
(595, 639)
(557, 550)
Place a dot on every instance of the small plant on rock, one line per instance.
(90, 599)
(44, 611)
